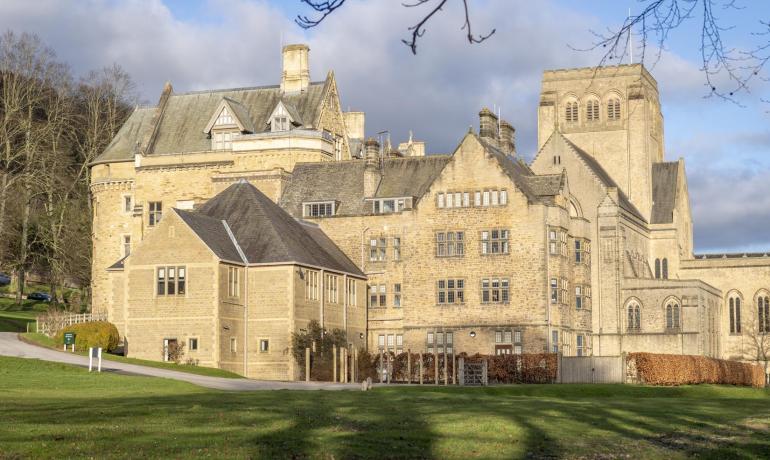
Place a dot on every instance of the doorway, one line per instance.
(169, 345)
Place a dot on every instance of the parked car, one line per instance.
(39, 296)
(5, 280)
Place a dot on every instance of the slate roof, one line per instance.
(264, 232)
(605, 178)
(343, 182)
(185, 115)
(664, 185)
(124, 144)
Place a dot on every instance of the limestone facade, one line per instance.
(585, 250)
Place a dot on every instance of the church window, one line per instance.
(673, 318)
(613, 109)
(494, 241)
(571, 112)
(155, 213)
(763, 314)
(592, 110)
(657, 269)
(664, 268)
(634, 321)
(735, 315)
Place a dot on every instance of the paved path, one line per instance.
(10, 345)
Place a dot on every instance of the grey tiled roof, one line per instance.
(264, 232)
(546, 184)
(133, 131)
(603, 176)
(242, 113)
(213, 232)
(343, 182)
(664, 184)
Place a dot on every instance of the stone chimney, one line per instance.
(372, 168)
(354, 124)
(296, 71)
(488, 126)
(507, 138)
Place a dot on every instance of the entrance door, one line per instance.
(167, 345)
(503, 349)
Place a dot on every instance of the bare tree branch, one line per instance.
(325, 8)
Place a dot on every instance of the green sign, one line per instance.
(69, 338)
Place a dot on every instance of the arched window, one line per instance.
(673, 316)
(613, 108)
(571, 112)
(763, 314)
(735, 315)
(665, 269)
(592, 110)
(657, 269)
(634, 317)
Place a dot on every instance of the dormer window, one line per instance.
(223, 140)
(284, 117)
(227, 123)
(224, 119)
(391, 205)
(280, 123)
(318, 209)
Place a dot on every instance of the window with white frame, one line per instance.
(578, 297)
(381, 341)
(351, 292)
(264, 345)
(233, 282)
(223, 140)
(495, 290)
(450, 291)
(478, 199)
(155, 213)
(553, 242)
(192, 344)
(494, 241)
(280, 123)
(399, 343)
(450, 244)
(554, 341)
(312, 285)
(319, 209)
(580, 344)
(126, 240)
(331, 288)
(390, 205)
(440, 342)
(128, 203)
(554, 285)
(171, 281)
(396, 248)
(378, 249)
(397, 295)
(378, 296)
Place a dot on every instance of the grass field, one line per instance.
(52, 410)
(44, 340)
(14, 318)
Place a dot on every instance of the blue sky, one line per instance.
(437, 94)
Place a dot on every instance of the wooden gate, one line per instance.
(591, 369)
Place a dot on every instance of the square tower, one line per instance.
(613, 113)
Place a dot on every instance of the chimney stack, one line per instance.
(372, 168)
(488, 125)
(296, 70)
(507, 138)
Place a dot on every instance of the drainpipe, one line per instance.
(322, 285)
(246, 321)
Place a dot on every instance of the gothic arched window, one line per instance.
(735, 315)
(634, 317)
(673, 316)
(571, 112)
(613, 108)
(665, 269)
(592, 110)
(763, 314)
(657, 269)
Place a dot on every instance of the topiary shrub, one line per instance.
(94, 334)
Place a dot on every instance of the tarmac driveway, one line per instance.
(10, 345)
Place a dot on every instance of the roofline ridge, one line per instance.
(241, 88)
(235, 242)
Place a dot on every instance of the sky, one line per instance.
(207, 44)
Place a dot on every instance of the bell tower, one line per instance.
(613, 113)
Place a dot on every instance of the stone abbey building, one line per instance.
(228, 219)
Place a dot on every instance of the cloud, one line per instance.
(436, 94)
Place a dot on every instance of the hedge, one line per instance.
(660, 369)
(93, 334)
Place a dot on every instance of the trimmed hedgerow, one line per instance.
(93, 334)
(661, 369)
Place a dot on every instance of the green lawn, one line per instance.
(14, 318)
(52, 410)
(44, 340)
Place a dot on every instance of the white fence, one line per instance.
(51, 324)
(592, 369)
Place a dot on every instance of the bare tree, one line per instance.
(325, 8)
(758, 333)
(728, 70)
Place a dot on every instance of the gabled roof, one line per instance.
(547, 184)
(343, 182)
(263, 231)
(126, 142)
(603, 176)
(516, 169)
(664, 186)
(296, 118)
(236, 110)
